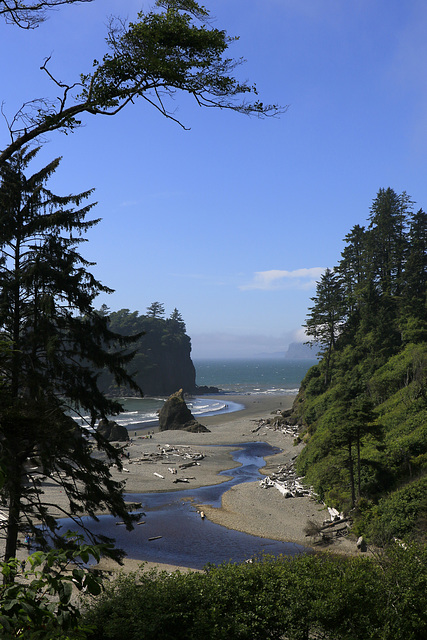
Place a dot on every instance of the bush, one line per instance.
(308, 596)
(398, 515)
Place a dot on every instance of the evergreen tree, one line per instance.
(324, 321)
(156, 310)
(54, 346)
(415, 274)
(176, 322)
(352, 268)
(387, 240)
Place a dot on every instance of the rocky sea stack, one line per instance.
(176, 415)
(112, 431)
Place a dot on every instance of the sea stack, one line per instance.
(176, 415)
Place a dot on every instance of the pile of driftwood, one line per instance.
(170, 455)
(287, 482)
(277, 424)
(290, 486)
(338, 526)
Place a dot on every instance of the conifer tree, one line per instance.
(325, 317)
(352, 268)
(387, 240)
(54, 346)
(415, 275)
(156, 310)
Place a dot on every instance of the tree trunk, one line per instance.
(14, 512)
(358, 463)
(350, 468)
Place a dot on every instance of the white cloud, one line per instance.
(282, 279)
(300, 335)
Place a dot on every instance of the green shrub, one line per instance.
(398, 515)
(306, 597)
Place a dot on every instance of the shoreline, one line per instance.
(250, 404)
(245, 507)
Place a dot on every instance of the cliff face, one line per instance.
(163, 368)
(162, 362)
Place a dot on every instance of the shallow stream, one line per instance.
(184, 538)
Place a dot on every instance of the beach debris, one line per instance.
(277, 423)
(326, 532)
(166, 452)
(159, 475)
(134, 506)
(186, 465)
(286, 481)
(173, 471)
(154, 538)
(334, 514)
(261, 423)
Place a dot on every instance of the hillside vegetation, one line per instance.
(363, 407)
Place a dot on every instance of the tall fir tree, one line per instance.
(54, 347)
(325, 318)
(352, 268)
(415, 276)
(387, 239)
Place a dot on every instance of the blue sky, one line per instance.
(233, 221)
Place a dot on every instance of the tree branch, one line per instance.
(28, 15)
(159, 55)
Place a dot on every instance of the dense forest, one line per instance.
(363, 407)
(162, 362)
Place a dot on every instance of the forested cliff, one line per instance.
(162, 362)
(363, 407)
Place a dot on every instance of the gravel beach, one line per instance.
(246, 507)
(154, 465)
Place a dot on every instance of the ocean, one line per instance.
(272, 376)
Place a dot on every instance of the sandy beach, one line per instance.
(246, 507)
(154, 465)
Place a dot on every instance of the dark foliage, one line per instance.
(53, 343)
(306, 597)
(162, 362)
(364, 406)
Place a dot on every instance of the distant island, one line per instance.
(295, 351)
(300, 351)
